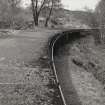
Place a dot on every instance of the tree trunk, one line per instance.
(36, 20)
(48, 18)
(46, 23)
(35, 15)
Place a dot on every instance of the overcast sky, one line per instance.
(76, 4)
(79, 4)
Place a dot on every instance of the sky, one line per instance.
(80, 4)
(75, 4)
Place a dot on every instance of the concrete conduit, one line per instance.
(55, 43)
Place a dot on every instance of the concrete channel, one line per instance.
(57, 42)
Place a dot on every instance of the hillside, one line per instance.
(60, 18)
(72, 18)
(75, 18)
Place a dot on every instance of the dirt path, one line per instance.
(18, 50)
(21, 83)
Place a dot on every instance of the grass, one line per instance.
(88, 71)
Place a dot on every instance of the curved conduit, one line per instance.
(55, 43)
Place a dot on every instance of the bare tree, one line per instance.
(9, 8)
(52, 4)
(13, 4)
(37, 6)
(50, 12)
(92, 21)
(100, 16)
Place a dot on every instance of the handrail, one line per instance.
(52, 45)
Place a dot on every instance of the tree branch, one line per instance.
(41, 6)
(51, 9)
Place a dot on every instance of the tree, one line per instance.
(91, 20)
(14, 9)
(8, 8)
(52, 4)
(100, 13)
(100, 16)
(37, 6)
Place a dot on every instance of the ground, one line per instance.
(26, 76)
(22, 79)
(83, 72)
